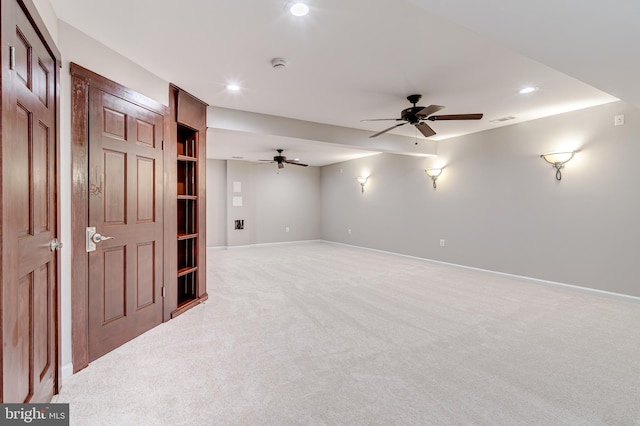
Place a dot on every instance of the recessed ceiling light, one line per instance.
(233, 87)
(528, 90)
(298, 8)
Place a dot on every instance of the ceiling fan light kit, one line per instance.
(416, 115)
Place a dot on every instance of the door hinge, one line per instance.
(163, 144)
(162, 291)
(12, 58)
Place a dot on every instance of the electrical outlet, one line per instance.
(618, 120)
(441, 243)
(286, 229)
(349, 231)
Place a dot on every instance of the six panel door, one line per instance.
(125, 205)
(29, 275)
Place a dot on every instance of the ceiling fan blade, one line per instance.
(427, 111)
(425, 129)
(383, 119)
(455, 117)
(297, 163)
(386, 130)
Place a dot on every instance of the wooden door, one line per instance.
(29, 212)
(125, 205)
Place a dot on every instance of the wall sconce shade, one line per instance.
(558, 160)
(362, 180)
(433, 174)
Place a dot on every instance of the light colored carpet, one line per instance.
(315, 334)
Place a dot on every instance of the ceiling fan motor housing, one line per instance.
(279, 158)
(411, 114)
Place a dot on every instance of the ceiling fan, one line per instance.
(281, 159)
(416, 114)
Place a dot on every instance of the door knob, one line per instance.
(93, 238)
(99, 237)
(55, 245)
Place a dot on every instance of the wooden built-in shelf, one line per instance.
(186, 178)
(188, 134)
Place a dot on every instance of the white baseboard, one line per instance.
(279, 243)
(595, 291)
(289, 242)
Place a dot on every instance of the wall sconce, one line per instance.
(558, 160)
(433, 174)
(362, 180)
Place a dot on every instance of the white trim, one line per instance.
(67, 370)
(290, 242)
(588, 290)
(266, 244)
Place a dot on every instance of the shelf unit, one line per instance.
(187, 209)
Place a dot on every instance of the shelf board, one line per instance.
(187, 197)
(187, 158)
(185, 271)
(186, 236)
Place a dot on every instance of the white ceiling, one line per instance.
(359, 59)
(235, 145)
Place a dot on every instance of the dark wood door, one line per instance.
(29, 212)
(125, 204)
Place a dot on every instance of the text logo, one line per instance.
(34, 414)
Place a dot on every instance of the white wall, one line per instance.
(240, 172)
(77, 47)
(216, 203)
(287, 198)
(498, 205)
(272, 200)
(48, 15)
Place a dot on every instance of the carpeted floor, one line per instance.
(315, 334)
